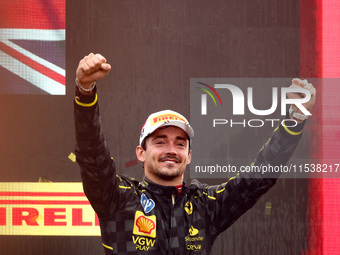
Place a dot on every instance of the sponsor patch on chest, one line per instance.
(144, 230)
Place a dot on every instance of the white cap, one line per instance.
(165, 118)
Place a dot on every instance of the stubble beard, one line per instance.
(169, 172)
(168, 175)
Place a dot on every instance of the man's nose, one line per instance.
(171, 149)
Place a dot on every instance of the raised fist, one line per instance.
(295, 112)
(91, 69)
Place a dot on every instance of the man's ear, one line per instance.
(140, 153)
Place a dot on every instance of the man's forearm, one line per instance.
(93, 156)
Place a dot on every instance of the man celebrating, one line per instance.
(160, 214)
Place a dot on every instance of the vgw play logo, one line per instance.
(238, 104)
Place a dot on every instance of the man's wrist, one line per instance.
(290, 128)
(85, 91)
(296, 115)
(86, 100)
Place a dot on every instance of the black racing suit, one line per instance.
(146, 218)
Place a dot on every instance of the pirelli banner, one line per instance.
(46, 209)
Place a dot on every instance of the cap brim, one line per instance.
(186, 128)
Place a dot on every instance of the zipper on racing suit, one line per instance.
(173, 199)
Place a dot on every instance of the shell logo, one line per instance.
(144, 225)
(193, 231)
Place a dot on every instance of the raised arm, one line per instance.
(233, 198)
(101, 185)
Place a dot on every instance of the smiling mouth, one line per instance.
(170, 160)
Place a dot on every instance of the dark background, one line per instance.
(155, 47)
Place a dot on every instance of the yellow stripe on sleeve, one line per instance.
(124, 187)
(289, 131)
(108, 247)
(87, 105)
(213, 198)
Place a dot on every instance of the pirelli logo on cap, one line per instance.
(166, 117)
(144, 225)
(46, 209)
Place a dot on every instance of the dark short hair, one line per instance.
(143, 145)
